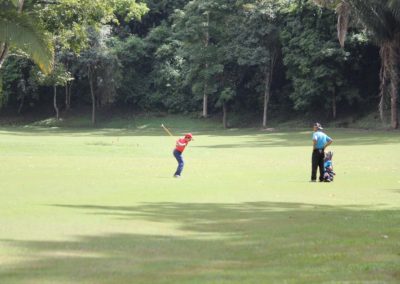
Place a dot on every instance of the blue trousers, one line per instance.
(179, 158)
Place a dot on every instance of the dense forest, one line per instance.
(261, 58)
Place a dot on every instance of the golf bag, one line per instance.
(329, 174)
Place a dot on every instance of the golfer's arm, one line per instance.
(314, 144)
(327, 144)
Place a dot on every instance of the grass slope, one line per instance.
(100, 206)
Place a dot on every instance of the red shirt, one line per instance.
(181, 144)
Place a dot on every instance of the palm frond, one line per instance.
(20, 31)
(376, 17)
(394, 6)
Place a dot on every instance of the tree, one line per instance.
(58, 77)
(73, 23)
(68, 58)
(22, 30)
(101, 68)
(256, 43)
(315, 62)
(19, 85)
(70, 21)
(167, 90)
(382, 20)
(224, 98)
(198, 26)
(159, 13)
(135, 67)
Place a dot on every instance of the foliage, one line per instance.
(23, 30)
(315, 62)
(99, 66)
(18, 81)
(58, 77)
(382, 20)
(159, 13)
(135, 67)
(198, 26)
(169, 55)
(71, 20)
(167, 89)
(226, 95)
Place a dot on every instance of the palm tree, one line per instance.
(381, 18)
(21, 30)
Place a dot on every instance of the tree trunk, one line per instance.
(394, 83)
(267, 95)
(69, 94)
(393, 101)
(384, 77)
(3, 53)
(93, 96)
(205, 95)
(67, 101)
(381, 109)
(267, 85)
(55, 102)
(334, 103)
(389, 78)
(21, 105)
(205, 103)
(224, 115)
(21, 5)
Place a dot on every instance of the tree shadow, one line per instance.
(254, 137)
(303, 138)
(255, 242)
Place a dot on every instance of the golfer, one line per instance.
(320, 142)
(180, 147)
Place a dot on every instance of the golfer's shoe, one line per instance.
(177, 176)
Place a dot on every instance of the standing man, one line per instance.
(180, 147)
(320, 142)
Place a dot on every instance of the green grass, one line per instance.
(100, 206)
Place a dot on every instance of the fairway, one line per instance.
(101, 206)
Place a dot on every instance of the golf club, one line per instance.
(166, 129)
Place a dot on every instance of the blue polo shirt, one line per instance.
(321, 139)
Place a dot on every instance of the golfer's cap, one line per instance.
(189, 135)
(318, 125)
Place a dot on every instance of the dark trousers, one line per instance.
(179, 159)
(317, 161)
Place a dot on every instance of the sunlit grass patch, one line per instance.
(101, 206)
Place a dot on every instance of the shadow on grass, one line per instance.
(303, 138)
(254, 137)
(259, 242)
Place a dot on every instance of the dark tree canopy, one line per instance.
(260, 59)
